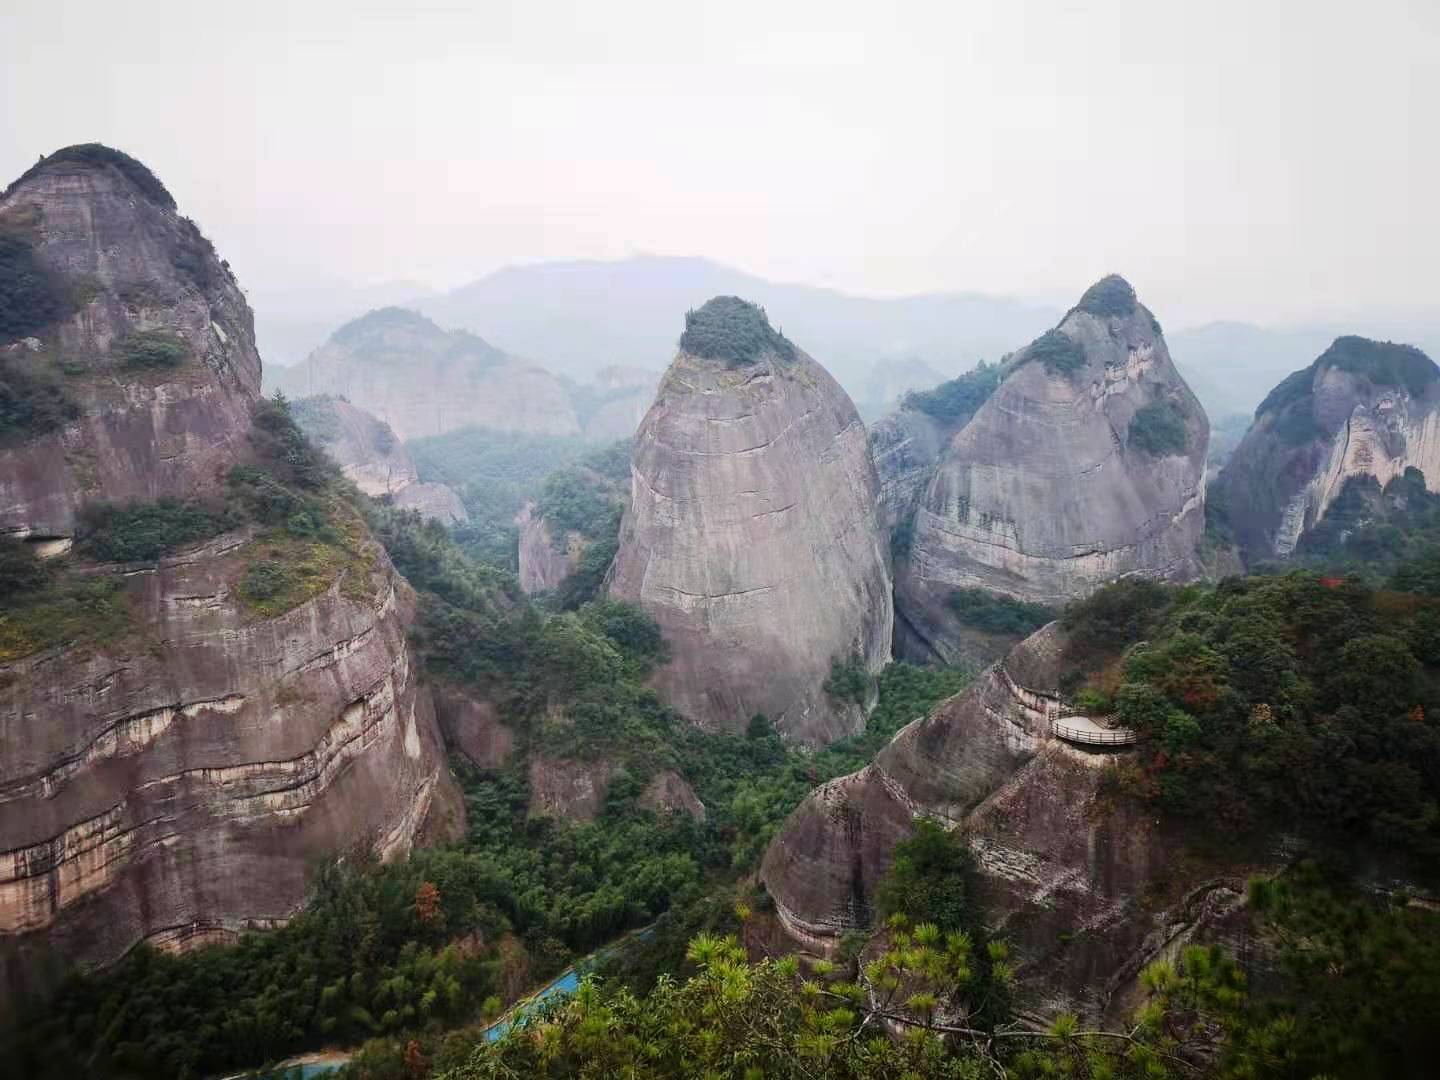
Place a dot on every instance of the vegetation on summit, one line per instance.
(1383, 363)
(100, 154)
(733, 330)
(1110, 297)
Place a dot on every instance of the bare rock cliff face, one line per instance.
(1085, 465)
(174, 786)
(752, 535)
(1363, 408)
(172, 782)
(905, 444)
(131, 265)
(624, 394)
(372, 457)
(1062, 868)
(544, 559)
(422, 380)
(670, 793)
(472, 725)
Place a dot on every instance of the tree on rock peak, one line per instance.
(100, 156)
(733, 330)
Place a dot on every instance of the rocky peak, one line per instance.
(373, 458)
(1085, 464)
(732, 330)
(752, 535)
(1086, 891)
(423, 380)
(130, 370)
(184, 733)
(1363, 409)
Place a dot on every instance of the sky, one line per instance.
(1266, 160)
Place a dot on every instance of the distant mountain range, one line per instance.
(580, 317)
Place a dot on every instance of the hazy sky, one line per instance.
(1263, 159)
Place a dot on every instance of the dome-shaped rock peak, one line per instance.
(126, 347)
(1086, 464)
(1363, 410)
(752, 534)
(422, 380)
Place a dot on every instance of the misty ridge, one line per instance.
(578, 318)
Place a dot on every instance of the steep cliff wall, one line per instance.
(1085, 465)
(422, 380)
(1363, 408)
(752, 535)
(178, 781)
(545, 560)
(905, 444)
(372, 457)
(1085, 889)
(173, 778)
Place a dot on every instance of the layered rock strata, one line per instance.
(175, 780)
(1362, 409)
(185, 779)
(1063, 869)
(752, 535)
(1084, 466)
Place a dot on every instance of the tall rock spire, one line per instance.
(1086, 464)
(752, 535)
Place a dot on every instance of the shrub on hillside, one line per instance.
(281, 444)
(20, 571)
(998, 614)
(1158, 429)
(31, 403)
(1059, 352)
(143, 531)
(264, 580)
(849, 681)
(31, 297)
(954, 402)
(155, 350)
(571, 500)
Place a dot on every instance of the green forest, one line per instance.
(1299, 702)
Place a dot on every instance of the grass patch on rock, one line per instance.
(152, 350)
(68, 610)
(286, 571)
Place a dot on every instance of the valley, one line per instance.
(993, 729)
